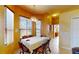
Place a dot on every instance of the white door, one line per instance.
(75, 32)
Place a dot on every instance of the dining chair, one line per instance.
(43, 49)
(75, 50)
(47, 49)
(24, 37)
(39, 50)
(23, 48)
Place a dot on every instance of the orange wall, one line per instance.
(1, 29)
(33, 28)
(44, 28)
(55, 20)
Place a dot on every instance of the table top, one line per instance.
(34, 42)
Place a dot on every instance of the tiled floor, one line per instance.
(20, 52)
(54, 46)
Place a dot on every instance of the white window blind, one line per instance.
(22, 26)
(25, 27)
(9, 27)
(38, 28)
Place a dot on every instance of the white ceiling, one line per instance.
(39, 8)
(43, 9)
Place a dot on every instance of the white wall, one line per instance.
(65, 29)
(75, 32)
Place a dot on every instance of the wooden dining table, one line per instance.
(34, 42)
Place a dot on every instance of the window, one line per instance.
(49, 28)
(29, 27)
(25, 27)
(9, 27)
(56, 29)
(22, 26)
(38, 28)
